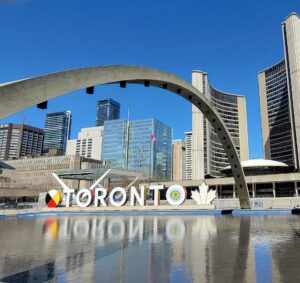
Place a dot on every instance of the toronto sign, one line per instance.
(117, 197)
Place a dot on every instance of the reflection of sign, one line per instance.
(50, 227)
(111, 228)
(175, 229)
(53, 198)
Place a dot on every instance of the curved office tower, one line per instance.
(208, 155)
(275, 114)
(279, 91)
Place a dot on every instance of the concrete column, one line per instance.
(243, 129)
(106, 183)
(253, 190)
(198, 132)
(234, 191)
(296, 189)
(274, 190)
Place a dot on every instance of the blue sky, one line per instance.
(231, 40)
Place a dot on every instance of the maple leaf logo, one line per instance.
(204, 195)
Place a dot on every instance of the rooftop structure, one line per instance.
(260, 167)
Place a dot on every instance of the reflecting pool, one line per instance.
(150, 248)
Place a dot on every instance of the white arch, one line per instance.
(17, 95)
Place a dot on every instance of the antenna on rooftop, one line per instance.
(127, 135)
(128, 111)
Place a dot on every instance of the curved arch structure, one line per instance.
(17, 95)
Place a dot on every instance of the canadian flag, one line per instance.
(152, 137)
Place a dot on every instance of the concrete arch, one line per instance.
(17, 95)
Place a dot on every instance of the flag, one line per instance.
(152, 137)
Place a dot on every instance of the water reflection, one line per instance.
(186, 248)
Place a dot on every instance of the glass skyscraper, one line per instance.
(114, 144)
(107, 109)
(142, 146)
(57, 130)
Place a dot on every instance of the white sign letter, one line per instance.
(85, 193)
(156, 189)
(68, 196)
(117, 196)
(101, 197)
(139, 197)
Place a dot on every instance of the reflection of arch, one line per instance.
(15, 96)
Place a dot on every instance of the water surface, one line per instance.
(156, 248)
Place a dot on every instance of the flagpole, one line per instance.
(127, 135)
(150, 157)
(150, 164)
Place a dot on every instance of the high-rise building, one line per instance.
(57, 131)
(115, 143)
(107, 109)
(279, 91)
(142, 146)
(88, 144)
(17, 141)
(188, 155)
(208, 155)
(178, 154)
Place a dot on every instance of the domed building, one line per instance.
(253, 167)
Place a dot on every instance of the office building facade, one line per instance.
(115, 143)
(88, 144)
(178, 154)
(279, 91)
(188, 155)
(36, 173)
(208, 155)
(142, 146)
(57, 131)
(18, 141)
(107, 109)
